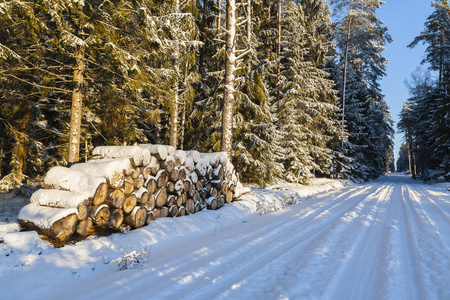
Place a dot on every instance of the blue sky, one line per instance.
(405, 20)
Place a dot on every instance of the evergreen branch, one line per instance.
(38, 85)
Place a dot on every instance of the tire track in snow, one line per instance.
(178, 272)
(297, 241)
(431, 254)
(364, 272)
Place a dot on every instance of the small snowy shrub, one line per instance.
(261, 208)
(9, 182)
(132, 260)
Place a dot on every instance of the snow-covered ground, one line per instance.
(389, 238)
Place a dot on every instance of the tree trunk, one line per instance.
(173, 132)
(75, 120)
(219, 13)
(278, 47)
(230, 80)
(346, 50)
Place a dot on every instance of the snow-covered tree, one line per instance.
(361, 37)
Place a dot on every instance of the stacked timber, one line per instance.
(128, 187)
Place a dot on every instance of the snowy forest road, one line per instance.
(386, 239)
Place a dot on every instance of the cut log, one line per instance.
(116, 218)
(156, 213)
(219, 172)
(173, 211)
(151, 185)
(84, 227)
(173, 176)
(196, 197)
(151, 202)
(100, 214)
(208, 186)
(136, 172)
(183, 197)
(170, 187)
(130, 203)
(179, 187)
(56, 223)
(150, 217)
(162, 178)
(229, 196)
(180, 157)
(220, 201)
(146, 157)
(161, 197)
(63, 199)
(194, 154)
(137, 218)
(146, 172)
(187, 186)
(198, 207)
(128, 185)
(181, 211)
(182, 173)
(203, 194)
(116, 198)
(209, 173)
(190, 206)
(133, 153)
(171, 200)
(163, 212)
(212, 203)
(155, 167)
(111, 169)
(142, 196)
(61, 178)
(199, 185)
(100, 194)
(213, 192)
(192, 190)
(168, 164)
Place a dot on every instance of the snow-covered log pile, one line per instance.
(128, 187)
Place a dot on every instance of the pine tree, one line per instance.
(360, 38)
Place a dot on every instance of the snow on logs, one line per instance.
(127, 187)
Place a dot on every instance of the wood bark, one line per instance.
(230, 80)
(116, 218)
(76, 111)
(84, 227)
(60, 230)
